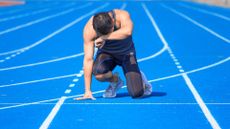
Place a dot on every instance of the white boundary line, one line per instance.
(205, 11)
(39, 80)
(42, 62)
(52, 114)
(42, 19)
(197, 23)
(192, 88)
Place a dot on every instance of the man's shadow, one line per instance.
(126, 94)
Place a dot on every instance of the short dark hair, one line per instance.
(102, 23)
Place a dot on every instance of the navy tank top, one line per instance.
(118, 47)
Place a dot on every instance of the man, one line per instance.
(111, 33)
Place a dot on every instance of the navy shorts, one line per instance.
(106, 62)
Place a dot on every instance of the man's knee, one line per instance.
(104, 77)
(100, 77)
(137, 94)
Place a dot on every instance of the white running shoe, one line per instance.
(148, 86)
(111, 91)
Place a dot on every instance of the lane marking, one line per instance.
(206, 12)
(197, 23)
(76, 80)
(31, 13)
(192, 88)
(22, 9)
(37, 21)
(52, 114)
(72, 85)
(42, 62)
(39, 80)
(68, 91)
(61, 29)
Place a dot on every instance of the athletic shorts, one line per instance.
(106, 62)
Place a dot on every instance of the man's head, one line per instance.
(103, 23)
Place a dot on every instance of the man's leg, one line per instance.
(137, 83)
(133, 76)
(102, 69)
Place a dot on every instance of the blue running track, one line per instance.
(182, 47)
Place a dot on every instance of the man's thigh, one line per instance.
(103, 63)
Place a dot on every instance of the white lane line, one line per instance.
(39, 80)
(62, 29)
(154, 55)
(24, 8)
(197, 24)
(31, 13)
(76, 80)
(52, 114)
(68, 91)
(41, 63)
(71, 85)
(206, 12)
(201, 103)
(79, 75)
(7, 58)
(192, 88)
(41, 19)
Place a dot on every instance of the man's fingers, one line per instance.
(84, 98)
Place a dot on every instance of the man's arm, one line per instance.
(88, 35)
(125, 30)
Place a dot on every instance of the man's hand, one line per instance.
(87, 95)
(99, 42)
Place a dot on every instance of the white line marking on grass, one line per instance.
(197, 24)
(52, 114)
(40, 20)
(196, 95)
(205, 11)
(43, 62)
